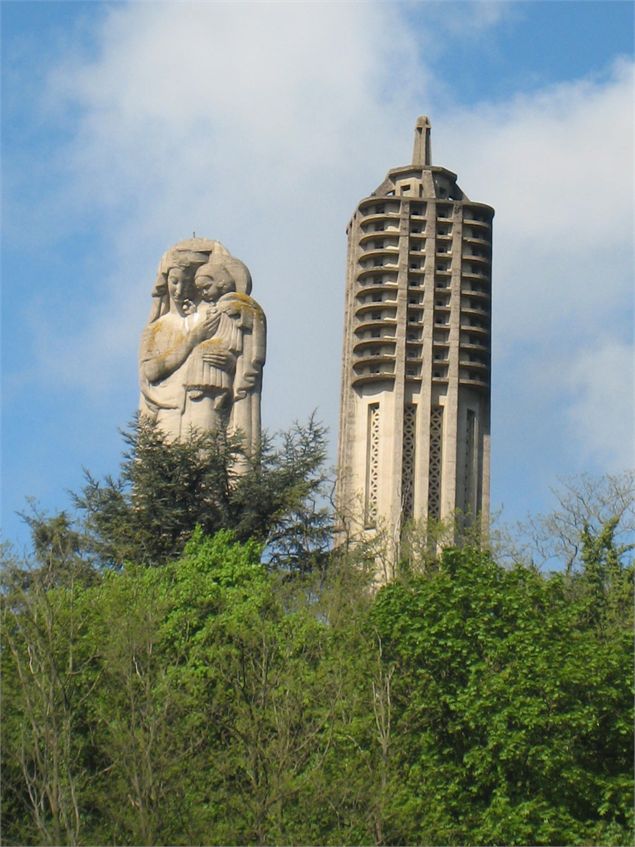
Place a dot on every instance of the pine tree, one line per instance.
(166, 489)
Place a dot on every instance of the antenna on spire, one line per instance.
(421, 154)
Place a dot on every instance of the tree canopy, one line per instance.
(221, 678)
(164, 490)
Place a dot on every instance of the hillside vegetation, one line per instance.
(185, 662)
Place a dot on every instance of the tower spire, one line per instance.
(421, 154)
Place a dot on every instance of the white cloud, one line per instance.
(558, 167)
(263, 124)
(257, 124)
(600, 415)
(471, 18)
(275, 92)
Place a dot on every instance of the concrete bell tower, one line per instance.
(414, 440)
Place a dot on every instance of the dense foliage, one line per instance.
(164, 490)
(512, 704)
(216, 700)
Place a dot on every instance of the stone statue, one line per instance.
(204, 347)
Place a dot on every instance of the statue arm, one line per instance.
(164, 349)
(252, 322)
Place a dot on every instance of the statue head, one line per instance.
(173, 286)
(174, 282)
(213, 279)
(186, 258)
(179, 285)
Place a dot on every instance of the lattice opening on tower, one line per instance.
(434, 471)
(470, 469)
(408, 460)
(372, 466)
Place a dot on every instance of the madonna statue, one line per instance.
(203, 349)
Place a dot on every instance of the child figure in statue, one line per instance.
(212, 364)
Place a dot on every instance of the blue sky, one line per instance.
(126, 126)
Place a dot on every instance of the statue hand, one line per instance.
(216, 358)
(206, 327)
(247, 384)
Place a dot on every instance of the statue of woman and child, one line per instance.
(204, 346)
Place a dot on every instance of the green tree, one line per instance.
(58, 555)
(256, 652)
(49, 674)
(586, 504)
(165, 489)
(510, 712)
(218, 700)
